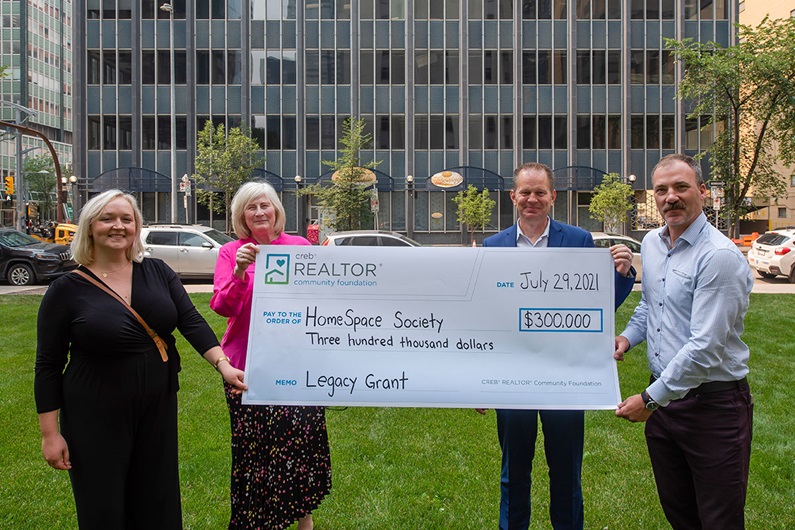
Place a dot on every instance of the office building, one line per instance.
(473, 87)
(36, 49)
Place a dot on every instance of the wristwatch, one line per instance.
(650, 404)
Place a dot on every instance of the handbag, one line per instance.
(162, 347)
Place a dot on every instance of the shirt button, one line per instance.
(660, 304)
(658, 329)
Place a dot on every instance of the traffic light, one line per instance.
(9, 181)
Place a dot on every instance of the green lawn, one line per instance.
(409, 468)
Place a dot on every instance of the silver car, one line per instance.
(191, 250)
(605, 240)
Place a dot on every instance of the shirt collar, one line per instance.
(520, 235)
(690, 234)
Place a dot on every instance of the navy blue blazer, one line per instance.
(563, 235)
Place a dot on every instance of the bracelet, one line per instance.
(221, 358)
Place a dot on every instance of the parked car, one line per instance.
(773, 254)
(605, 240)
(191, 250)
(369, 238)
(25, 260)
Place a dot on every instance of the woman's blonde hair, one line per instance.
(83, 243)
(244, 196)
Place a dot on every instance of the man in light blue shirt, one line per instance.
(698, 407)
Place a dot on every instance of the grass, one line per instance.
(409, 468)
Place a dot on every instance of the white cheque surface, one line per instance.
(433, 327)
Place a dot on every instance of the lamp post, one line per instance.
(69, 183)
(299, 206)
(628, 225)
(410, 206)
(174, 186)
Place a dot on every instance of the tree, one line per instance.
(347, 200)
(224, 162)
(612, 202)
(748, 90)
(39, 172)
(474, 208)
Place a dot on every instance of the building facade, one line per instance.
(778, 212)
(36, 49)
(474, 87)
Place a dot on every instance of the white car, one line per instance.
(605, 240)
(369, 238)
(191, 250)
(773, 254)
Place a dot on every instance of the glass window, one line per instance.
(614, 9)
(475, 67)
(94, 69)
(691, 9)
(528, 67)
(164, 67)
(490, 9)
(561, 132)
(598, 133)
(312, 138)
(583, 67)
(653, 10)
(668, 67)
(202, 9)
(382, 63)
(652, 132)
(545, 132)
(529, 140)
(584, 132)
(451, 9)
(162, 238)
(366, 10)
(273, 132)
(706, 10)
(614, 67)
(506, 9)
(398, 131)
(109, 67)
(399, 67)
(506, 132)
(148, 132)
(148, 67)
(288, 132)
(437, 70)
(559, 8)
(637, 71)
(490, 67)
(652, 67)
(218, 67)
(125, 68)
(668, 130)
(163, 132)
(583, 9)
(490, 132)
(782, 212)
(233, 67)
(544, 67)
(343, 67)
(421, 132)
(599, 67)
(506, 67)
(312, 67)
(436, 136)
(614, 132)
(598, 9)
(638, 137)
(125, 133)
(668, 9)
(94, 132)
(273, 70)
(451, 132)
(475, 132)
(217, 8)
(366, 66)
(560, 67)
(328, 132)
(202, 67)
(109, 132)
(636, 9)
(381, 140)
(451, 67)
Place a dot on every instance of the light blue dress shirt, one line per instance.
(695, 296)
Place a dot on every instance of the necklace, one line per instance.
(105, 274)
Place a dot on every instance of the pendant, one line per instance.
(104, 274)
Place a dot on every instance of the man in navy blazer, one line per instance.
(533, 195)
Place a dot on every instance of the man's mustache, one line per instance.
(674, 206)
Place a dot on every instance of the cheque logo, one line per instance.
(277, 269)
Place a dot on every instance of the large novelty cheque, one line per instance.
(433, 327)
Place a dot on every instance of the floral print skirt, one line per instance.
(281, 465)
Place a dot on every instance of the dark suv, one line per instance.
(25, 260)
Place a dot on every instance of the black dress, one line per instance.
(117, 398)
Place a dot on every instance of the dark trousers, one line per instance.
(563, 446)
(700, 448)
(124, 472)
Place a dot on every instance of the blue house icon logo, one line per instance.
(277, 269)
